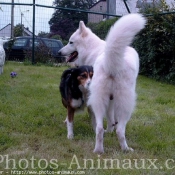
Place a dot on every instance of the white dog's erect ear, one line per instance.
(82, 29)
(81, 25)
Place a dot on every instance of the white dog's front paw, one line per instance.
(128, 149)
(99, 150)
(70, 136)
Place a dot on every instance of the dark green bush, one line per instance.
(155, 44)
(156, 47)
(42, 55)
(101, 29)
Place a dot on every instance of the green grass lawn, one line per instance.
(33, 136)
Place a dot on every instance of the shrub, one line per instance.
(42, 55)
(101, 29)
(155, 44)
(156, 47)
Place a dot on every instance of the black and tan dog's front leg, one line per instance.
(69, 122)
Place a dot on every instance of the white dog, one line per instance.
(2, 56)
(116, 66)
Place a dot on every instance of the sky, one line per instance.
(42, 17)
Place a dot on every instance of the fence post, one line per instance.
(12, 20)
(33, 41)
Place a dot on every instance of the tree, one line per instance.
(64, 22)
(43, 34)
(18, 30)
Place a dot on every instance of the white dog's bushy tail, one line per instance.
(119, 37)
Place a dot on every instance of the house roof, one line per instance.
(26, 30)
(5, 26)
(96, 3)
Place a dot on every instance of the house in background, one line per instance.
(5, 32)
(116, 7)
(122, 7)
(100, 6)
(137, 5)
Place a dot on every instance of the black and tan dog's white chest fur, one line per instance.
(74, 87)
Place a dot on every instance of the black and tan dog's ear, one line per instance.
(91, 71)
(82, 29)
(91, 74)
(66, 74)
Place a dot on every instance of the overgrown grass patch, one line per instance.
(31, 125)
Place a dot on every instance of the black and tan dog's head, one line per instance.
(75, 82)
(80, 76)
(84, 77)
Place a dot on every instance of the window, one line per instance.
(20, 42)
(36, 43)
(148, 3)
(50, 43)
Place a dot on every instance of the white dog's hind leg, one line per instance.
(91, 114)
(125, 104)
(110, 117)
(121, 127)
(99, 135)
(99, 112)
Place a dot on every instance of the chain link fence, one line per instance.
(33, 18)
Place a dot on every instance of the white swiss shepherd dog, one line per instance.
(116, 66)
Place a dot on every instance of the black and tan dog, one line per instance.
(74, 87)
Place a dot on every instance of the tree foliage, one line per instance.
(101, 29)
(18, 30)
(43, 34)
(156, 47)
(64, 22)
(156, 44)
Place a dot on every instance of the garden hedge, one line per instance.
(155, 45)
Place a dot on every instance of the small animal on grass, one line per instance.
(74, 89)
(116, 66)
(2, 56)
